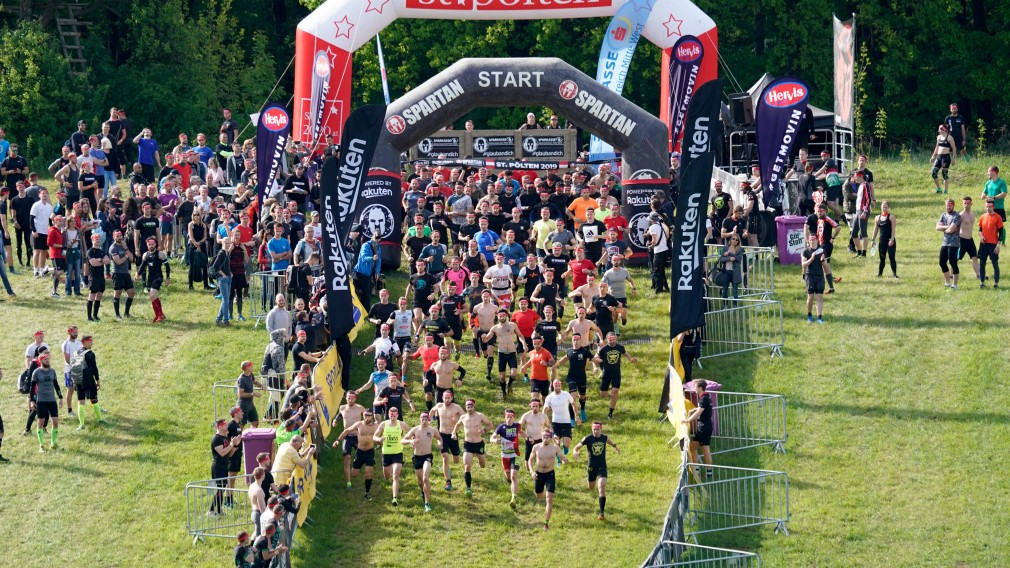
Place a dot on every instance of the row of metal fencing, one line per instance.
(712, 499)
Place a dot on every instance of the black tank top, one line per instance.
(549, 292)
(884, 225)
(474, 264)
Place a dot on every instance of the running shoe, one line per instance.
(582, 415)
(546, 526)
(41, 449)
(54, 295)
(348, 485)
(119, 318)
(241, 317)
(427, 508)
(512, 503)
(469, 492)
(53, 447)
(810, 319)
(395, 504)
(70, 413)
(448, 486)
(820, 320)
(4, 460)
(600, 517)
(25, 433)
(368, 496)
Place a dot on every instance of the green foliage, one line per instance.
(880, 129)
(859, 79)
(906, 154)
(38, 93)
(981, 144)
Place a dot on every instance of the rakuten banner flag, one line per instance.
(780, 112)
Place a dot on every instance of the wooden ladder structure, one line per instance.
(69, 27)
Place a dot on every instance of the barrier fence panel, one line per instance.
(673, 525)
(263, 288)
(215, 510)
(758, 278)
(745, 420)
(697, 556)
(737, 326)
(733, 498)
(267, 404)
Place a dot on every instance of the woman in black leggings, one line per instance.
(886, 227)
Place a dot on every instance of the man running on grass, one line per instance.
(447, 413)
(363, 431)
(597, 443)
(507, 434)
(541, 466)
(350, 413)
(421, 439)
(609, 358)
(475, 425)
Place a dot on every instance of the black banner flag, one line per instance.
(702, 136)
(272, 132)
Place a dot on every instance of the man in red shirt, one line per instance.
(428, 354)
(54, 240)
(617, 222)
(580, 268)
(992, 235)
(526, 320)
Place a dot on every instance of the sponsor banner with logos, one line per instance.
(303, 481)
(685, 63)
(702, 135)
(778, 120)
(636, 194)
(494, 146)
(540, 146)
(379, 207)
(619, 43)
(341, 187)
(320, 89)
(845, 59)
(326, 380)
(272, 132)
(435, 146)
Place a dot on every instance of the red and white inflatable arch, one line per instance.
(327, 38)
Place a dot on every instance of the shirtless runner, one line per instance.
(442, 371)
(484, 313)
(447, 413)
(532, 424)
(363, 430)
(507, 333)
(541, 465)
(421, 438)
(350, 413)
(475, 425)
(586, 329)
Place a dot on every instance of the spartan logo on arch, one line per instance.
(377, 219)
(568, 89)
(637, 228)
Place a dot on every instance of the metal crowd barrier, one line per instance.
(758, 278)
(225, 395)
(673, 525)
(737, 326)
(263, 288)
(697, 556)
(215, 510)
(734, 498)
(745, 420)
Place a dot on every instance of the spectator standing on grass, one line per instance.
(995, 189)
(950, 226)
(966, 235)
(221, 450)
(886, 227)
(703, 429)
(992, 234)
(815, 267)
(221, 269)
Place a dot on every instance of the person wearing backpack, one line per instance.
(70, 346)
(87, 381)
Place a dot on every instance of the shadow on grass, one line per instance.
(905, 413)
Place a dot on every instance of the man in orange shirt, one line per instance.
(526, 320)
(540, 361)
(992, 234)
(577, 210)
(428, 354)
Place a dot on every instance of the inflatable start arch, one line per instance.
(327, 38)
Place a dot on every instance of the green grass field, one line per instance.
(897, 421)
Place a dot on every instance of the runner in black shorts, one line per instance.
(577, 357)
(824, 229)
(596, 472)
(475, 448)
(422, 437)
(814, 265)
(609, 358)
(541, 466)
(450, 445)
(122, 279)
(703, 431)
(364, 458)
(96, 261)
(150, 272)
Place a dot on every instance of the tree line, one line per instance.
(174, 64)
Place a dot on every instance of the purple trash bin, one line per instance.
(254, 442)
(790, 238)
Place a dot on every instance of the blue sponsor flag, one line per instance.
(618, 48)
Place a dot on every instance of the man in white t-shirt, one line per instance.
(659, 244)
(499, 279)
(561, 406)
(40, 213)
(70, 346)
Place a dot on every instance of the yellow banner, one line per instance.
(358, 312)
(303, 480)
(676, 410)
(326, 379)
